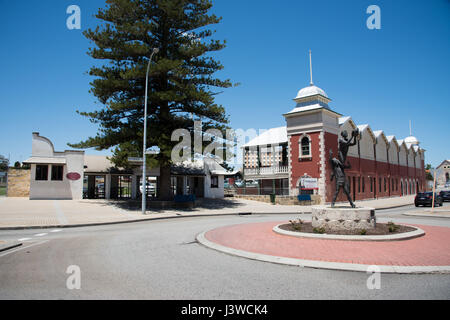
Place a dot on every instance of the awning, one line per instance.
(45, 160)
(223, 172)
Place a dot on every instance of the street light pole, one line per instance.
(144, 167)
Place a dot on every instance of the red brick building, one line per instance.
(381, 165)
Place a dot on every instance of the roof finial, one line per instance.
(310, 67)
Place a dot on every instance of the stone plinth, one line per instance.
(343, 218)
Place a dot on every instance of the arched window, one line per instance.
(305, 147)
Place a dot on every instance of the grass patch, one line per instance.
(2, 191)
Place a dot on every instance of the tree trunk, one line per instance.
(164, 179)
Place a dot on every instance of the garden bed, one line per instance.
(381, 229)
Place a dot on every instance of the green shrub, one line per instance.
(363, 232)
(296, 224)
(392, 226)
(319, 230)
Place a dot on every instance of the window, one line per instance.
(371, 184)
(359, 184)
(305, 147)
(379, 184)
(363, 185)
(384, 184)
(173, 185)
(57, 173)
(41, 172)
(214, 181)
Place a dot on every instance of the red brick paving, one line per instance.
(432, 249)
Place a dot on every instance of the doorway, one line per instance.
(94, 187)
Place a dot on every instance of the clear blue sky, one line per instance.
(381, 77)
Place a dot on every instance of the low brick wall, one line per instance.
(19, 182)
(285, 200)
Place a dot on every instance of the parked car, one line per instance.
(426, 198)
(239, 183)
(445, 195)
(150, 188)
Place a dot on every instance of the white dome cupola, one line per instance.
(411, 140)
(310, 91)
(312, 94)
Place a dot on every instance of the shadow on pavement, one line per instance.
(200, 204)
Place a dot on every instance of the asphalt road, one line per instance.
(161, 260)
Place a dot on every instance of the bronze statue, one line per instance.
(345, 143)
(339, 165)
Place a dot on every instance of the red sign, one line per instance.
(73, 176)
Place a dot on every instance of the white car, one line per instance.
(150, 188)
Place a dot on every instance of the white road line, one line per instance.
(59, 213)
(40, 234)
(56, 230)
(24, 239)
(22, 247)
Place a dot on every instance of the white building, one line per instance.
(73, 175)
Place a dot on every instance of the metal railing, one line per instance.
(266, 170)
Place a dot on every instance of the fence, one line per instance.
(266, 190)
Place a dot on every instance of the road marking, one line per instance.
(40, 234)
(24, 239)
(22, 247)
(56, 230)
(59, 213)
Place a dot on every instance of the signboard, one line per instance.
(309, 183)
(73, 176)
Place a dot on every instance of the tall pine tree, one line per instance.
(181, 80)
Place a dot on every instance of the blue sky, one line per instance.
(381, 77)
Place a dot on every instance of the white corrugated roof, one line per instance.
(306, 108)
(342, 120)
(45, 160)
(362, 127)
(389, 138)
(377, 133)
(97, 163)
(271, 136)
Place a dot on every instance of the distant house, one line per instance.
(443, 174)
(73, 175)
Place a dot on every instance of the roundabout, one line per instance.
(426, 249)
(414, 233)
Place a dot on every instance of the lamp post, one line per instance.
(144, 167)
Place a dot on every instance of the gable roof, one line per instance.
(271, 136)
(366, 127)
(443, 162)
(380, 133)
(343, 120)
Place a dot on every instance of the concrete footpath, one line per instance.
(22, 213)
(437, 212)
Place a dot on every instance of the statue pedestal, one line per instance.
(342, 218)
